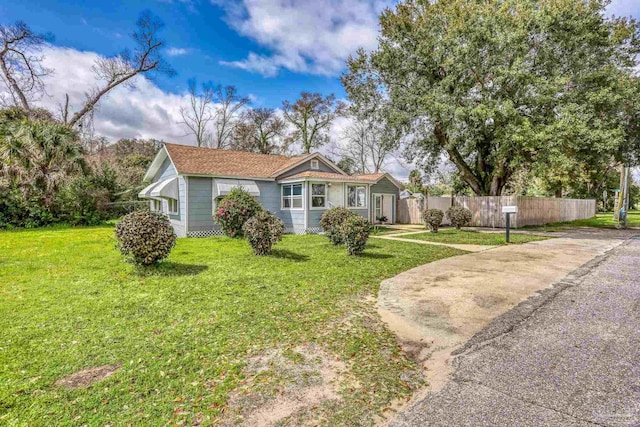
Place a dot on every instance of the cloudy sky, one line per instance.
(270, 50)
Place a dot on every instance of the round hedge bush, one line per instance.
(355, 231)
(234, 210)
(145, 237)
(262, 231)
(459, 216)
(331, 221)
(433, 219)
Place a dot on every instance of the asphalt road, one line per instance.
(569, 356)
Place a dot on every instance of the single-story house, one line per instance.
(186, 182)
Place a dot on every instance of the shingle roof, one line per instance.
(326, 175)
(371, 176)
(208, 161)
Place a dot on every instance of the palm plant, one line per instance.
(40, 157)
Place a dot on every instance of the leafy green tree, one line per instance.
(499, 86)
(347, 164)
(415, 181)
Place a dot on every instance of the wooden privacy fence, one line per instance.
(410, 210)
(487, 210)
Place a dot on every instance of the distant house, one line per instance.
(187, 182)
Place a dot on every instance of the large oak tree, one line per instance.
(504, 85)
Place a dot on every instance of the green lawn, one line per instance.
(451, 235)
(183, 332)
(601, 220)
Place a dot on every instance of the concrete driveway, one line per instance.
(568, 357)
(436, 308)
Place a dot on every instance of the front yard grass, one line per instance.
(468, 237)
(601, 220)
(184, 332)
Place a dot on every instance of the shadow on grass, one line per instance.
(171, 269)
(375, 255)
(286, 254)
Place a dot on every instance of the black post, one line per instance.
(508, 219)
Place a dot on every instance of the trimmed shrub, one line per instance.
(145, 237)
(262, 231)
(355, 231)
(234, 210)
(331, 221)
(459, 216)
(433, 219)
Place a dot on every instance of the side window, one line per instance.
(173, 206)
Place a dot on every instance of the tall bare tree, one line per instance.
(370, 141)
(197, 115)
(312, 115)
(121, 69)
(228, 109)
(261, 131)
(21, 64)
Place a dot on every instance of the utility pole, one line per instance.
(622, 197)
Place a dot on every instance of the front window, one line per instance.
(356, 196)
(157, 205)
(318, 195)
(292, 196)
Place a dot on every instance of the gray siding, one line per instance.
(167, 171)
(270, 199)
(200, 204)
(269, 196)
(306, 166)
(384, 186)
(314, 218)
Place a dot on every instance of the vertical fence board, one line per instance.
(487, 210)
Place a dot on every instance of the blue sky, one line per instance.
(199, 34)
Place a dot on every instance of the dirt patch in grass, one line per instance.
(88, 376)
(281, 383)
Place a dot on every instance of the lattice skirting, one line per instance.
(211, 233)
(205, 233)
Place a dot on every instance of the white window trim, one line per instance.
(315, 164)
(311, 196)
(366, 196)
(173, 212)
(282, 196)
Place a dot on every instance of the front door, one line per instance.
(383, 210)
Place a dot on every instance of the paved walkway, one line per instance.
(464, 247)
(569, 356)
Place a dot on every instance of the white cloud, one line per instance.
(144, 111)
(303, 35)
(177, 51)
